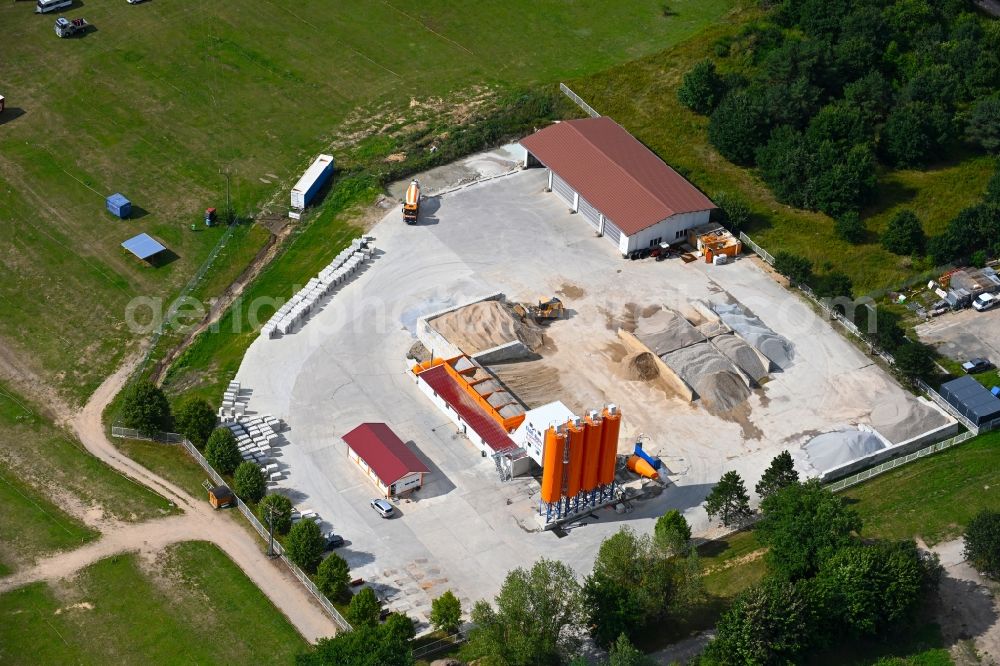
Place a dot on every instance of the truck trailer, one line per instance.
(312, 181)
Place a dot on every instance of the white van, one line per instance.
(45, 6)
(984, 302)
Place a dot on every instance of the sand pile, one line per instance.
(666, 331)
(484, 325)
(753, 330)
(903, 419)
(833, 449)
(710, 374)
(642, 367)
(742, 355)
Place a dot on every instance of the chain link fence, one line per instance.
(174, 438)
(579, 101)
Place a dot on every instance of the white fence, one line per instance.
(579, 101)
(174, 438)
(761, 252)
(855, 479)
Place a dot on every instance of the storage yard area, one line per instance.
(714, 367)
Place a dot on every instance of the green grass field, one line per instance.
(193, 606)
(159, 98)
(56, 469)
(642, 96)
(33, 525)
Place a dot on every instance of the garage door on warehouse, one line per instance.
(611, 232)
(562, 188)
(590, 213)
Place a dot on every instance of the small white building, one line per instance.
(620, 187)
(530, 435)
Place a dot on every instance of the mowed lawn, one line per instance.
(157, 99)
(192, 606)
(642, 96)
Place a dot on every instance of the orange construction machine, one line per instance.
(411, 203)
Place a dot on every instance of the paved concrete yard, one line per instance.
(963, 335)
(465, 529)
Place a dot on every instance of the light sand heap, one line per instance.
(485, 325)
(899, 422)
(666, 331)
(833, 449)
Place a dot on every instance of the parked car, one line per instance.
(384, 508)
(974, 365)
(985, 302)
(333, 540)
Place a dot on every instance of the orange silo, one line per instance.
(574, 473)
(609, 444)
(593, 427)
(552, 465)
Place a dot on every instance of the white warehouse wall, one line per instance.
(666, 230)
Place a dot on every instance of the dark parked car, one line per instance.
(333, 541)
(974, 365)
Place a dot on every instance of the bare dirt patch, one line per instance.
(571, 291)
(642, 367)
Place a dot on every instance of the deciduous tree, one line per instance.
(276, 508)
(145, 408)
(366, 645)
(195, 420)
(221, 451)
(804, 524)
(850, 228)
(739, 125)
(305, 544)
(702, 88)
(672, 533)
(904, 235)
(982, 543)
(364, 609)
(982, 125)
(915, 134)
(248, 482)
(333, 576)
(797, 269)
(446, 613)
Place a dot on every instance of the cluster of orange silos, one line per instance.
(580, 455)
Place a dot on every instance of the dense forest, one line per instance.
(821, 96)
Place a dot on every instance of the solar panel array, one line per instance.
(296, 311)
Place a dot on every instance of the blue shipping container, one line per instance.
(119, 206)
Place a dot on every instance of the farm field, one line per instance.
(642, 97)
(157, 100)
(192, 605)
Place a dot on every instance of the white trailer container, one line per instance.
(315, 177)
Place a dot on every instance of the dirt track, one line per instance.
(199, 522)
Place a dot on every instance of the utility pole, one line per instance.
(229, 206)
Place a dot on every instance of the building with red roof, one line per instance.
(624, 191)
(385, 459)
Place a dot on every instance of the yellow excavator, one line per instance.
(544, 311)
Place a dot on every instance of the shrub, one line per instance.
(248, 482)
(797, 269)
(982, 543)
(702, 88)
(736, 211)
(446, 613)
(850, 228)
(195, 420)
(145, 408)
(221, 451)
(276, 510)
(904, 234)
(304, 545)
(333, 576)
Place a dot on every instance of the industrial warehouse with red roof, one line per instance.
(385, 459)
(624, 191)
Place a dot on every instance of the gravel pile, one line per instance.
(666, 331)
(753, 330)
(710, 374)
(742, 355)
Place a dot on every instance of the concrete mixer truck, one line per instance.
(411, 203)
